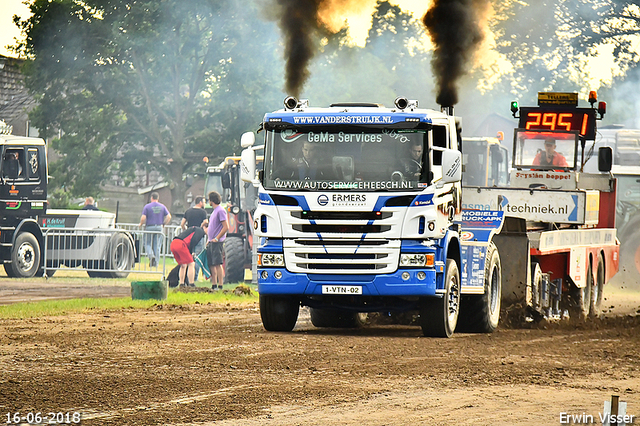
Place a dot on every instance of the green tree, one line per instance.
(134, 82)
(614, 23)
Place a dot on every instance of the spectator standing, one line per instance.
(195, 216)
(154, 216)
(217, 231)
(183, 246)
(89, 204)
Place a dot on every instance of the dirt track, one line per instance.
(204, 364)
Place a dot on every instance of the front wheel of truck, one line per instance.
(25, 257)
(481, 313)
(439, 316)
(279, 313)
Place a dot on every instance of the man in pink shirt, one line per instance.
(217, 231)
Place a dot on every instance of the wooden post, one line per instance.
(615, 399)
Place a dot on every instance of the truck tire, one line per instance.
(337, 318)
(120, 257)
(597, 290)
(234, 260)
(279, 313)
(536, 287)
(25, 257)
(481, 314)
(439, 316)
(580, 298)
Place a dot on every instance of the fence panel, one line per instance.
(104, 253)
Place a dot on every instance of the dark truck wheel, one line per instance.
(481, 314)
(279, 313)
(120, 257)
(337, 318)
(579, 301)
(234, 260)
(25, 257)
(597, 290)
(439, 316)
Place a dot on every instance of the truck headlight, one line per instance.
(270, 259)
(417, 260)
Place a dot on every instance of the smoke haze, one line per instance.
(303, 23)
(455, 31)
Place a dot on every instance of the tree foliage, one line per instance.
(164, 83)
(144, 81)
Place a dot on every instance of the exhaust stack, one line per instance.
(447, 109)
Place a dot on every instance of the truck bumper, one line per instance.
(372, 285)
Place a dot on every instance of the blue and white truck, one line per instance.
(360, 211)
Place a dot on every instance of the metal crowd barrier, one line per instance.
(105, 253)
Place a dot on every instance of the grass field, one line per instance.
(79, 276)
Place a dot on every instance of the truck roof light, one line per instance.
(401, 102)
(593, 97)
(602, 108)
(500, 136)
(290, 102)
(514, 107)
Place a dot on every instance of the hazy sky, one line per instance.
(8, 31)
(600, 69)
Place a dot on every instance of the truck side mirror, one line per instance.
(226, 180)
(605, 158)
(451, 166)
(247, 139)
(248, 164)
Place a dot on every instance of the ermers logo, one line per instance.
(323, 200)
(349, 198)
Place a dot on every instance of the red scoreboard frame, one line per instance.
(553, 118)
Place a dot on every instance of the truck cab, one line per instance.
(23, 199)
(357, 204)
(485, 160)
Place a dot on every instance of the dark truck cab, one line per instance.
(23, 199)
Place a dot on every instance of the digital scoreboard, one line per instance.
(582, 120)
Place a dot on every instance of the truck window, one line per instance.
(439, 141)
(12, 167)
(33, 167)
(348, 159)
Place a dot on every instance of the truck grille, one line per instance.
(342, 229)
(341, 256)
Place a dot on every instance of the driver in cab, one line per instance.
(310, 164)
(549, 157)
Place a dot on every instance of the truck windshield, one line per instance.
(375, 159)
(545, 150)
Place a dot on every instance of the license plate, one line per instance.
(341, 289)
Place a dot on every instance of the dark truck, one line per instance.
(73, 237)
(23, 199)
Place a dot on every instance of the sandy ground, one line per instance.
(211, 364)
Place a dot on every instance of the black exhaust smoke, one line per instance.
(303, 23)
(299, 24)
(455, 30)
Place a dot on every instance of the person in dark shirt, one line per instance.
(311, 164)
(196, 216)
(182, 247)
(88, 204)
(412, 165)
